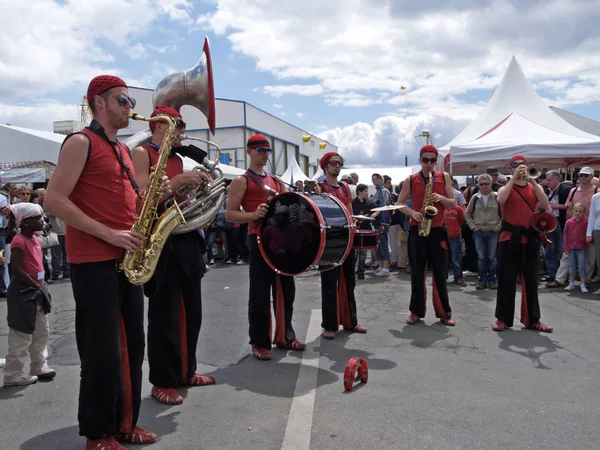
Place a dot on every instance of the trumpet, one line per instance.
(533, 172)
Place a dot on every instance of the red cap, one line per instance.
(258, 141)
(326, 157)
(162, 109)
(103, 83)
(428, 149)
(516, 157)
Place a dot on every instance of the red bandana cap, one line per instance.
(428, 149)
(103, 83)
(515, 158)
(326, 157)
(162, 109)
(258, 141)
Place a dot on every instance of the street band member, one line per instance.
(518, 249)
(93, 190)
(174, 293)
(337, 285)
(249, 191)
(431, 250)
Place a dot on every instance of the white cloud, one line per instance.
(138, 51)
(299, 114)
(38, 116)
(163, 49)
(298, 89)
(48, 47)
(278, 106)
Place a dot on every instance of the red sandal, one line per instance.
(296, 345)
(499, 325)
(328, 334)
(261, 353)
(104, 443)
(138, 436)
(166, 396)
(413, 319)
(201, 380)
(357, 329)
(539, 326)
(450, 322)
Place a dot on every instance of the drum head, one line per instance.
(290, 234)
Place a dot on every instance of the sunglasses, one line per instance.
(124, 100)
(263, 150)
(583, 175)
(517, 164)
(180, 124)
(429, 160)
(25, 193)
(336, 163)
(484, 184)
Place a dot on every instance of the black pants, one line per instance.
(424, 252)
(469, 261)
(104, 300)
(175, 313)
(511, 263)
(262, 284)
(329, 288)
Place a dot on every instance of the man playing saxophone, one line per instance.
(427, 238)
(174, 292)
(93, 190)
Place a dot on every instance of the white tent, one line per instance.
(23, 144)
(517, 121)
(293, 173)
(397, 174)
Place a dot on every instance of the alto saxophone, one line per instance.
(139, 265)
(428, 211)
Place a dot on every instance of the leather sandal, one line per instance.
(413, 319)
(166, 396)
(104, 443)
(201, 380)
(261, 353)
(539, 326)
(357, 329)
(499, 325)
(328, 334)
(138, 436)
(450, 322)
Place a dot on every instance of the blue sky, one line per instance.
(333, 68)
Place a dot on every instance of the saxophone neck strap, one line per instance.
(116, 146)
(431, 174)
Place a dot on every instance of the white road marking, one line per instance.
(299, 425)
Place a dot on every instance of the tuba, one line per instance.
(428, 211)
(192, 87)
(139, 265)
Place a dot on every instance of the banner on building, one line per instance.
(23, 175)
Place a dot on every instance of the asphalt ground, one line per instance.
(430, 386)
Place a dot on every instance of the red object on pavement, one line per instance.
(356, 370)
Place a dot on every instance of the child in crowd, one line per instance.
(575, 245)
(454, 218)
(28, 301)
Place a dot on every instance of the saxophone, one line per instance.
(428, 211)
(139, 266)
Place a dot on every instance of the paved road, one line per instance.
(430, 386)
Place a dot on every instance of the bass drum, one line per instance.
(305, 230)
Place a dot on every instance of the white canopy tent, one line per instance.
(229, 172)
(397, 174)
(24, 144)
(517, 121)
(293, 173)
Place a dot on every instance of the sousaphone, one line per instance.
(192, 87)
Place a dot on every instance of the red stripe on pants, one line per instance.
(127, 422)
(524, 310)
(437, 304)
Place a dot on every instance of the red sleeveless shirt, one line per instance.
(341, 192)
(417, 193)
(104, 193)
(518, 210)
(174, 164)
(256, 195)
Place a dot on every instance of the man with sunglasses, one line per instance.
(93, 190)
(518, 249)
(175, 291)
(430, 251)
(337, 285)
(251, 192)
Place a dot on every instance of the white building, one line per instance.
(236, 121)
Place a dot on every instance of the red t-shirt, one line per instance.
(518, 210)
(103, 193)
(32, 255)
(454, 218)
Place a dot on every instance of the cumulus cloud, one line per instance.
(298, 89)
(278, 106)
(299, 114)
(39, 115)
